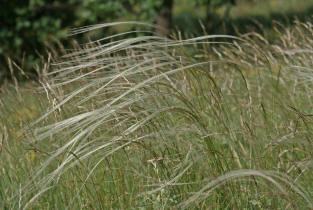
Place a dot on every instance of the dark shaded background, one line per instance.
(30, 27)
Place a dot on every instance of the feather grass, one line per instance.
(177, 123)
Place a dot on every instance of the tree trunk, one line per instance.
(209, 10)
(163, 19)
(210, 17)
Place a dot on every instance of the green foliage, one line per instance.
(27, 26)
(221, 2)
(95, 11)
(215, 3)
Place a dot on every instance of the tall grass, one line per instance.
(151, 122)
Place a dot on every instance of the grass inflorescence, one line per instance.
(150, 122)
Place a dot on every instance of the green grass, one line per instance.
(152, 123)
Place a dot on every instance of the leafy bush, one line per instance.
(27, 27)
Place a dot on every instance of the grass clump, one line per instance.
(151, 122)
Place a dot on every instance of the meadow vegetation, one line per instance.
(149, 122)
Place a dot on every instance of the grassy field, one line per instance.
(152, 123)
(244, 16)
